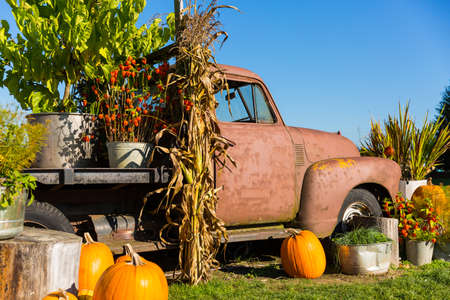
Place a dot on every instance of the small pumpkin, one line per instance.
(95, 258)
(302, 255)
(138, 279)
(60, 295)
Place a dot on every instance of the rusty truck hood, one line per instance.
(320, 145)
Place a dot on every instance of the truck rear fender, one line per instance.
(327, 183)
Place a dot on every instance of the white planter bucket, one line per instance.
(419, 252)
(407, 188)
(128, 155)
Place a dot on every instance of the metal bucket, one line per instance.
(65, 147)
(419, 252)
(11, 217)
(365, 259)
(128, 155)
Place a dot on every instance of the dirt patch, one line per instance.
(271, 269)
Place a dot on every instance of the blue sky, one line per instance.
(334, 65)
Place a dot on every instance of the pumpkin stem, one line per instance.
(62, 295)
(293, 232)
(135, 258)
(429, 181)
(88, 238)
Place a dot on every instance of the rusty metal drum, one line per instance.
(69, 143)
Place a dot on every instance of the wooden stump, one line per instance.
(37, 262)
(388, 226)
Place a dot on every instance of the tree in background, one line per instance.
(444, 106)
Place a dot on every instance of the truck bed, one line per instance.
(69, 176)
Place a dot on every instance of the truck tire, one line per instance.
(45, 215)
(358, 202)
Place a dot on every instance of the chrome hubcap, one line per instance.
(355, 209)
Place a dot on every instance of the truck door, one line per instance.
(261, 189)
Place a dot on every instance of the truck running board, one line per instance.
(234, 235)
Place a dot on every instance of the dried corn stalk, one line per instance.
(191, 197)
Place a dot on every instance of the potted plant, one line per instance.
(19, 143)
(131, 105)
(420, 227)
(416, 150)
(61, 43)
(363, 251)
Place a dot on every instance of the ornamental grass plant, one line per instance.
(416, 150)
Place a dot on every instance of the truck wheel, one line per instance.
(45, 215)
(359, 202)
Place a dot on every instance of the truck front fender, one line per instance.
(327, 183)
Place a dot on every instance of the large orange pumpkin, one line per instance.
(302, 255)
(95, 258)
(433, 192)
(137, 279)
(60, 295)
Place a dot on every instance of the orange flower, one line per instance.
(125, 123)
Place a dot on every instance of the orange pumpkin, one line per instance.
(95, 258)
(60, 295)
(438, 198)
(137, 279)
(302, 255)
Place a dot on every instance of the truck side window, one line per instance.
(240, 107)
(263, 112)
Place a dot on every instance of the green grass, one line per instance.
(428, 282)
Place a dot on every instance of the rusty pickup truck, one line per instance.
(285, 177)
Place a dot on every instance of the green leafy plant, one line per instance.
(19, 143)
(361, 236)
(416, 150)
(62, 42)
(414, 224)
